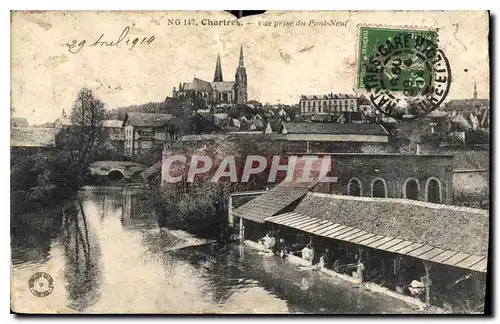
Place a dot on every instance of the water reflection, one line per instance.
(83, 258)
(107, 255)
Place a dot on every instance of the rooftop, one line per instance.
(455, 228)
(32, 137)
(374, 154)
(223, 86)
(112, 123)
(147, 119)
(460, 104)
(272, 202)
(332, 128)
(19, 122)
(329, 96)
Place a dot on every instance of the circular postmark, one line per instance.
(407, 74)
(41, 284)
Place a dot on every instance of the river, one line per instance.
(112, 259)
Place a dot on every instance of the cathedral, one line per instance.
(218, 91)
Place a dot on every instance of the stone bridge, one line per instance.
(116, 170)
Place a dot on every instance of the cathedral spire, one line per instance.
(218, 70)
(240, 79)
(475, 91)
(242, 64)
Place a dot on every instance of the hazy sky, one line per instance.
(282, 62)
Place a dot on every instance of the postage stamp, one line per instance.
(403, 70)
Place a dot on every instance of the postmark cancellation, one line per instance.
(404, 71)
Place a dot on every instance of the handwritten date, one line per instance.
(124, 39)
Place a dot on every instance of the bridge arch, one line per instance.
(115, 175)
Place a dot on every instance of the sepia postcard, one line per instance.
(298, 162)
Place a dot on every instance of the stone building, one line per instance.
(144, 131)
(385, 175)
(218, 91)
(344, 108)
(475, 111)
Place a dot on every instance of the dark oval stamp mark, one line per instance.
(404, 71)
(41, 284)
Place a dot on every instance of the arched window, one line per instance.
(411, 189)
(379, 188)
(354, 188)
(433, 190)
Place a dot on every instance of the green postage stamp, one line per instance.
(403, 69)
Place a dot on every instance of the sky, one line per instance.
(282, 62)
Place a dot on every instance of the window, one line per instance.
(354, 188)
(433, 190)
(379, 188)
(411, 189)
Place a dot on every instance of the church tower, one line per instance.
(218, 70)
(240, 79)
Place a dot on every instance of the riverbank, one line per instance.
(185, 239)
(369, 286)
(40, 219)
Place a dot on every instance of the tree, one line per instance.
(86, 132)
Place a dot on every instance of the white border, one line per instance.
(210, 5)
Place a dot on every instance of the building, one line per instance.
(344, 106)
(19, 122)
(114, 132)
(315, 134)
(475, 111)
(397, 241)
(144, 131)
(416, 177)
(471, 174)
(32, 137)
(218, 91)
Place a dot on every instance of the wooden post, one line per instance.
(360, 266)
(230, 219)
(427, 268)
(242, 230)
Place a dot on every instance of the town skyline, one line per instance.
(280, 67)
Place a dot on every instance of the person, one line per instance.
(361, 268)
(416, 288)
(328, 258)
(307, 253)
(283, 250)
(268, 241)
(321, 263)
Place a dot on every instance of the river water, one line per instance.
(106, 257)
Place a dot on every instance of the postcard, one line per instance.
(286, 162)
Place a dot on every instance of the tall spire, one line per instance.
(240, 79)
(218, 70)
(475, 91)
(241, 57)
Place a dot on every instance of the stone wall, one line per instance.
(394, 170)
